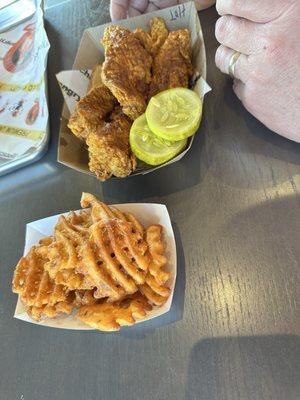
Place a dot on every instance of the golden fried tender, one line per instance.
(91, 110)
(126, 69)
(95, 106)
(153, 40)
(109, 317)
(36, 288)
(172, 65)
(79, 126)
(109, 149)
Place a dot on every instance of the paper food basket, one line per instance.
(74, 83)
(147, 214)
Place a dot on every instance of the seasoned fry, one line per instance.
(110, 317)
(99, 261)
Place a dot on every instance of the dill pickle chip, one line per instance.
(150, 148)
(174, 114)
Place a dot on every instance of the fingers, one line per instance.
(118, 9)
(254, 10)
(137, 7)
(239, 89)
(121, 9)
(164, 3)
(239, 34)
(202, 4)
(223, 57)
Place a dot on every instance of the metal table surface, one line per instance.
(232, 332)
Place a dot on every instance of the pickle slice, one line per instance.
(174, 114)
(150, 148)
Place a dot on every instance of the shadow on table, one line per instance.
(176, 312)
(176, 177)
(254, 367)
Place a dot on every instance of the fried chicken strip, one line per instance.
(172, 65)
(153, 40)
(109, 149)
(126, 69)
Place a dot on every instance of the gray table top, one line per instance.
(234, 202)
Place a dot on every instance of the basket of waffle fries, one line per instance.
(102, 267)
(133, 100)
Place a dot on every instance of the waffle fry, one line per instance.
(84, 298)
(100, 261)
(157, 249)
(111, 316)
(62, 307)
(63, 265)
(102, 212)
(35, 286)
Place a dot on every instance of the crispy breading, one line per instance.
(109, 149)
(153, 40)
(172, 65)
(95, 106)
(91, 110)
(126, 69)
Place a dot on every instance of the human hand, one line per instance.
(120, 9)
(267, 73)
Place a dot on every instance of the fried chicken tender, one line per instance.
(155, 39)
(126, 70)
(91, 110)
(172, 65)
(99, 122)
(109, 149)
